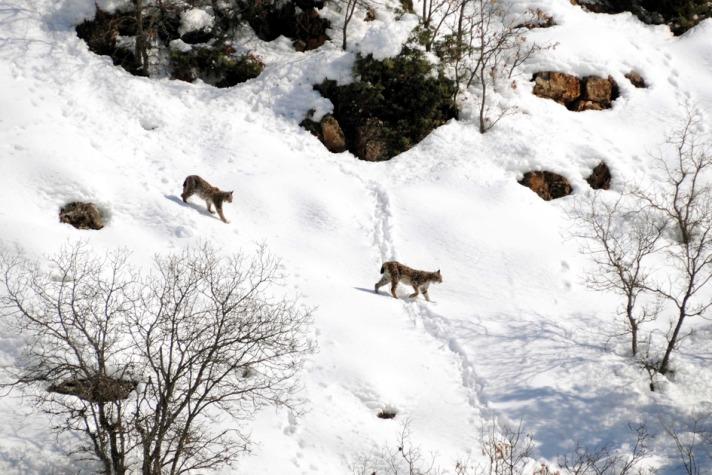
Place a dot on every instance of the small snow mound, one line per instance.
(113, 6)
(195, 19)
(149, 123)
(180, 45)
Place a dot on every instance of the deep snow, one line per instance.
(511, 333)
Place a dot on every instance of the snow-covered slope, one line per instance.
(511, 333)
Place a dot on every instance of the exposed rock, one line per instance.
(538, 19)
(588, 93)
(371, 145)
(547, 185)
(331, 134)
(81, 215)
(562, 88)
(96, 389)
(600, 178)
(600, 90)
(584, 105)
(636, 79)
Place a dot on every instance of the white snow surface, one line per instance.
(512, 332)
(195, 19)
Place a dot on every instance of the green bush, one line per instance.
(403, 94)
(681, 15)
(215, 65)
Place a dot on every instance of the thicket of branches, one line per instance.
(656, 243)
(145, 366)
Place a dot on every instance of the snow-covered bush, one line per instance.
(394, 104)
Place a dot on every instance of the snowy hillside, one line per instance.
(511, 334)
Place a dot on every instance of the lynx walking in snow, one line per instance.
(211, 194)
(396, 272)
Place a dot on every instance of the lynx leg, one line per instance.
(185, 195)
(394, 284)
(380, 283)
(425, 294)
(415, 287)
(210, 207)
(222, 216)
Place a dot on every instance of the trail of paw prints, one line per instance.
(383, 222)
(440, 328)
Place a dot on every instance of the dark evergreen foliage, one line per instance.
(403, 93)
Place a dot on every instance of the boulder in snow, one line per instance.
(371, 145)
(81, 215)
(560, 87)
(577, 94)
(331, 134)
(547, 185)
(600, 178)
(98, 388)
(636, 79)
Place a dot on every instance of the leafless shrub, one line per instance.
(602, 461)
(692, 444)
(405, 458)
(507, 450)
(486, 47)
(620, 238)
(684, 200)
(673, 219)
(201, 335)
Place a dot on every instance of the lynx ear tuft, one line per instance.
(437, 271)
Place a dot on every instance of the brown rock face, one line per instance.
(547, 185)
(561, 87)
(589, 93)
(81, 215)
(636, 79)
(600, 178)
(370, 143)
(331, 134)
(96, 389)
(599, 89)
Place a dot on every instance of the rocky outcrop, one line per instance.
(327, 130)
(371, 145)
(636, 79)
(331, 134)
(537, 19)
(600, 178)
(560, 87)
(548, 185)
(577, 94)
(81, 215)
(95, 389)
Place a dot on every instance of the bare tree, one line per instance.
(693, 444)
(141, 365)
(620, 238)
(349, 9)
(435, 15)
(486, 48)
(684, 200)
(602, 461)
(405, 458)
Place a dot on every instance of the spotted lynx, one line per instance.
(396, 272)
(211, 194)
